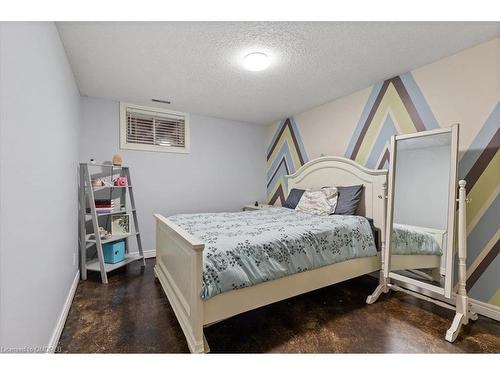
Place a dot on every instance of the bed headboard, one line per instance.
(339, 171)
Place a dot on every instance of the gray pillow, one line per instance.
(348, 200)
(293, 198)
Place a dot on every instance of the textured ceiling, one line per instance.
(197, 65)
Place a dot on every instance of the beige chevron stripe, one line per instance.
(495, 299)
(372, 145)
(285, 137)
(486, 186)
(376, 134)
(487, 203)
(483, 254)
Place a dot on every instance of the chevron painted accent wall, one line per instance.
(285, 154)
(395, 106)
(400, 105)
(480, 167)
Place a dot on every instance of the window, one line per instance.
(153, 129)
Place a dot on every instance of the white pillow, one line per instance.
(318, 202)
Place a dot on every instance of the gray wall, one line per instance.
(39, 120)
(223, 171)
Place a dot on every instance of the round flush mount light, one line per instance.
(256, 61)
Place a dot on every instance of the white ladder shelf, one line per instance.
(86, 199)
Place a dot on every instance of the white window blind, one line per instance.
(153, 129)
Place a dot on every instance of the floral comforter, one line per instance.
(247, 248)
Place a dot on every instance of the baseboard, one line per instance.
(486, 309)
(148, 253)
(482, 308)
(56, 335)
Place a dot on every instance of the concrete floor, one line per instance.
(132, 315)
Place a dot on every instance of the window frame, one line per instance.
(124, 145)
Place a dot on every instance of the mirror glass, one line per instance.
(420, 193)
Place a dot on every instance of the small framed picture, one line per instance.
(120, 224)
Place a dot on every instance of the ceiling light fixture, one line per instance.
(256, 61)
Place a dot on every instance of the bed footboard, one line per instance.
(179, 268)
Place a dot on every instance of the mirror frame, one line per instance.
(452, 197)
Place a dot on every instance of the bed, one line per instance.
(179, 255)
(244, 249)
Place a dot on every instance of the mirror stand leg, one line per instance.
(452, 332)
(462, 317)
(464, 314)
(205, 345)
(381, 288)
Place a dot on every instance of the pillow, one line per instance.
(318, 202)
(331, 195)
(293, 198)
(348, 200)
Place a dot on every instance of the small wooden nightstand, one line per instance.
(251, 207)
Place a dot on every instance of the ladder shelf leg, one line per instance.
(95, 223)
(81, 223)
(134, 215)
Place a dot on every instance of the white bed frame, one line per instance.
(179, 256)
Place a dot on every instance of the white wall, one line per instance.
(223, 171)
(39, 120)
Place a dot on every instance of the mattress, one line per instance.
(410, 240)
(247, 248)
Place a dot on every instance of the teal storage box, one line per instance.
(114, 252)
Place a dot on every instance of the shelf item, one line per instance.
(105, 207)
(112, 238)
(89, 216)
(98, 188)
(114, 252)
(107, 166)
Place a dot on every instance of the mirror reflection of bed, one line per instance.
(420, 210)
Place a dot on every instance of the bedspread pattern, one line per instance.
(247, 248)
(409, 240)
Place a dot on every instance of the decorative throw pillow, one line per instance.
(331, 195)
(293, 198)
(318, 202)
(348, 199)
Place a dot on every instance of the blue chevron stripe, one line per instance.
(419, 101)
(364, 115)
(480, 142)
(282, 170)
(275, 136)
(488, 282)
(296, 132)
(283, 152)
(483, 231)
(386, 165)
(388, 129)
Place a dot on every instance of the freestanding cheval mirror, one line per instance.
(418, 257)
